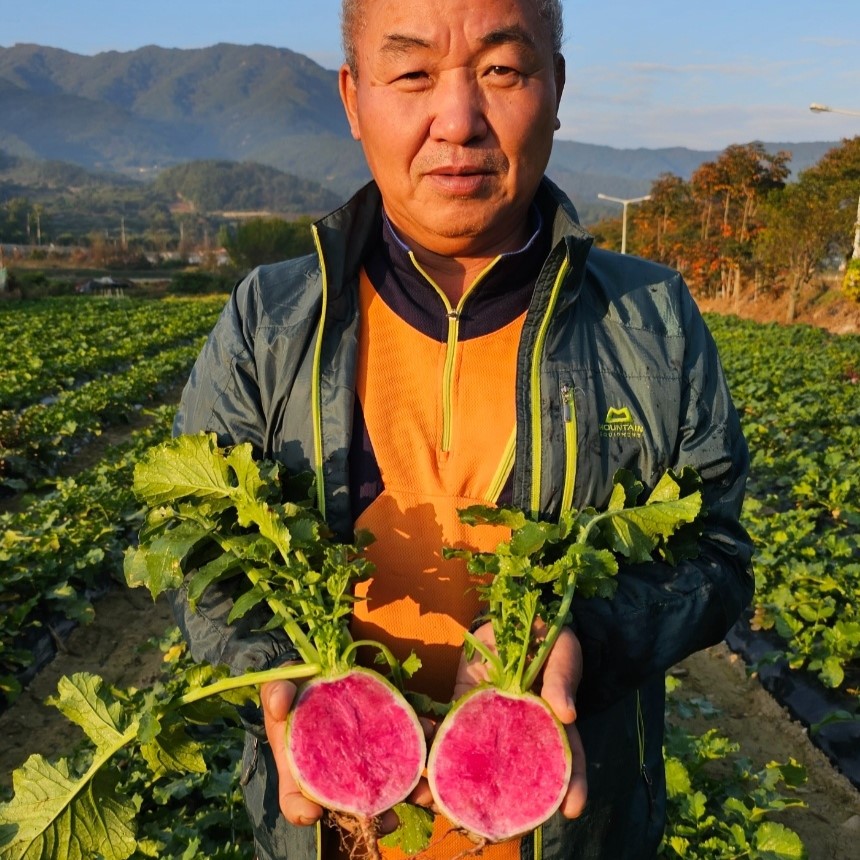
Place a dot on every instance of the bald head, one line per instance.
(352, 18)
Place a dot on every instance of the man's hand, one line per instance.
(561, 675)
(277, 699)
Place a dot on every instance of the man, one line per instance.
(456, 339)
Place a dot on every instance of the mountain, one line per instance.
(156, 107)
(219, 186)
(139, 112)
(198, 197)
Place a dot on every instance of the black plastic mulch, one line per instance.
(805, 697)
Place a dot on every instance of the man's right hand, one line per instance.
(277, 699)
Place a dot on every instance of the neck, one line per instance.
(455, 272)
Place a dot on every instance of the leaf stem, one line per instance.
(552, 635)
(289, 672)
(518, 679)
(495, 668)
(303, 644)
(390, 659)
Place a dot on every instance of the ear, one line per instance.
(560, 76)
(348, 87)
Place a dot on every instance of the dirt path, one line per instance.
(830, 825)
(114, 646)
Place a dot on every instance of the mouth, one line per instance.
(459, 170)
(461, 180)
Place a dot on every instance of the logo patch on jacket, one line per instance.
(619, 423)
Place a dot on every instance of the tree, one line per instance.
(802, 229)
(732, 188)
(38, 212)
(16, 226)
(666, 227)
(267, 240)
(840, 169)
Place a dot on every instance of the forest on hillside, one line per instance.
(50, 203)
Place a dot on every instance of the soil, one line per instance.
(821, 304)
(118, 645)
(830, 824)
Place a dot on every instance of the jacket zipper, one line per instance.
(538, 843)
(448, 377)
(643, 768)
(504, 470)
(316, 381)
(537, 453)
(569, 410)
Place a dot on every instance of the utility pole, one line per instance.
(625, 204)
(815, 107)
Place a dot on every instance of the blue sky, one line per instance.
(702, 75)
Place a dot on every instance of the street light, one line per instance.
(625, 204)
(817, 108)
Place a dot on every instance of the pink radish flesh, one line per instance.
(354, 743)
(500, 764)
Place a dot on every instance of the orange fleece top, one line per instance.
(441, 417)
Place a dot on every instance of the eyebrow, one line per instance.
(505, 35)
(396, 44)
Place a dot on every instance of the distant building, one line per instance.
(103, 285)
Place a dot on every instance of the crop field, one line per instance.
(78, 370)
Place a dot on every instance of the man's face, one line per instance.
(455, 103)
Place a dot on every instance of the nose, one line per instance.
(458, 108)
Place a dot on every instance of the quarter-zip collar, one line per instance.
(500, 295)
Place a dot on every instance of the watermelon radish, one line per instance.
(500, 762)
(354, 744)
(486, 776)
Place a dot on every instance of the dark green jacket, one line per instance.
(615, 369)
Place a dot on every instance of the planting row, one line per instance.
(798, 390)
(67, 544)
(63, 548)
(712, 813)
(798, 393)
(58, 344)
(38, 439)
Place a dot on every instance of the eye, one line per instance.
(412, 81)
(504, 74)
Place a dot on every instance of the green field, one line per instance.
(76, 368)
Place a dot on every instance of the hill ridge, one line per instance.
(137, 112)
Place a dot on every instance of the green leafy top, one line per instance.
(534, 574)
(218, 513)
